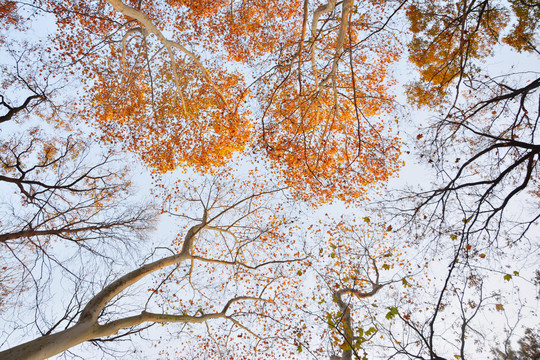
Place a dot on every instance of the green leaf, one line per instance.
(299, 348)
(393, 312)
(386, 267)
(333, 255)
(453, 236)
(516, 273)
(405, 283)
(371, 331)
(507, 277)
(331, 324)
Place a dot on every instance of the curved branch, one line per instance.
(94, 307)
(127, 10)
(12, 111)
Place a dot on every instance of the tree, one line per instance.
(62, 203)
(298, 98)
(362, 277)
(225, 268)
(63, 199)
(487, 121)
(179, 105)
(239, 270)
(322, 101)
(170, 113)
(481, 144)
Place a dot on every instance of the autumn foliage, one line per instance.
(249, 119)
(167, 81)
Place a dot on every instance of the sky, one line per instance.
(519, 292)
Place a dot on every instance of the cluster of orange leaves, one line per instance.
(326, 140)
(450, 38)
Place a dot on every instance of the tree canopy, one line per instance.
(232, 169)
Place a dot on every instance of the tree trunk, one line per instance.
(50, 345)
(88, 327)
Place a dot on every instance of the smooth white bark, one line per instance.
(87, 327)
